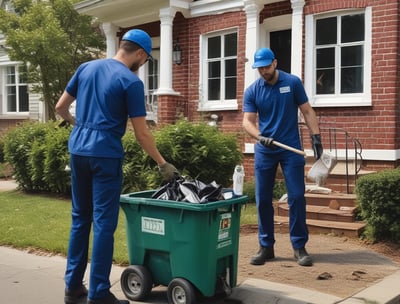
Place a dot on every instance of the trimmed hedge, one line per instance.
(378, 198)
(38, 153)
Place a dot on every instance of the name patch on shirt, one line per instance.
(283, 90)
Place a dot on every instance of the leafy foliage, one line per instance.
(51, 39)
(198, 151)
(378, 197)
(38, 153)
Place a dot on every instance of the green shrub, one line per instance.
(197, 150)
(136, 168)
(200, 151)
(378, 198)
(56, 159)
(38, 153)
(17, 148)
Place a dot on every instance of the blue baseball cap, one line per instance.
(263, 57)
(141, 38)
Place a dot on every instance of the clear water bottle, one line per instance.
(238, 180)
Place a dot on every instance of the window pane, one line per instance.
(214, 47)
(213, 89)
(325, 58)
(11, 99)
(326, 81)
(352, 56)
(231, 45)
(230, 88)
(230, 67)
(353, 28)
(23, 99)
(352, 80)
(214, 69)
(11, 75)
(326, 32)
(152, 74)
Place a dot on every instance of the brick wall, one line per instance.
(376, 127)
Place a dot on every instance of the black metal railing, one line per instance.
(335, 139)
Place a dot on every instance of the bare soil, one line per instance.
(342, 266)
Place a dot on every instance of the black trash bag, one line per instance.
(188, 190)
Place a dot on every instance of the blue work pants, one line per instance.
(265, 167)
(96, 188)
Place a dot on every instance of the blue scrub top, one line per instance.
(277, 107)
(106, 93)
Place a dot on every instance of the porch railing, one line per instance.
(151, 106)
(346, 148)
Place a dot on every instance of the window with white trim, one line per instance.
(150, 75)
(219, 71)
(16, 90)
(340, 55)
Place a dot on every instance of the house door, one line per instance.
(281, 45)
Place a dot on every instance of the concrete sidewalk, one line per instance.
(30, 278)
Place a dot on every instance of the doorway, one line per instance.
(281, 45)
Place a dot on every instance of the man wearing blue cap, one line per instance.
(270, 107)
(107, 92)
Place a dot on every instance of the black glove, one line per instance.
(266, 141)
(317, 145)
(168, 171)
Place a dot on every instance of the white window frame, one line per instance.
(150, 97)
(17, 84)
(337, 100)
(204, 103)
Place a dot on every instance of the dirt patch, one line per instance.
(342, 266)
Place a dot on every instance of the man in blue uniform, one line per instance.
(270, 107)
(107, 92)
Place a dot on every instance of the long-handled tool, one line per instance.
(286, 147)
(322, 167)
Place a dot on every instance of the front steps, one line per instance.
(327, 213)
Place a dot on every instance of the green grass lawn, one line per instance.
(42, 222)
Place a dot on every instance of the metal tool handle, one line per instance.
(286, 147)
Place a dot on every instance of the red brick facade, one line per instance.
(377, 127)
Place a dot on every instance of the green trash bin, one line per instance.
(188, 247)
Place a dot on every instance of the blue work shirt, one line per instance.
(277, 107)
(106, 93)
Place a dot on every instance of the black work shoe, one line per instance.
(75, 295)
(109, 299)
(264, 254)
(303, 259)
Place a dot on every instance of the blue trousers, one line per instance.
(96, 188)
(265, 166)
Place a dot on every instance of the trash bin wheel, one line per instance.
(181, 291)
(136, 282)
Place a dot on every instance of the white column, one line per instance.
(166, 41)
(252, 9)
(297, 36)
(110, 30)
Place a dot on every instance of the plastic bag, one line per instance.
(188, 190)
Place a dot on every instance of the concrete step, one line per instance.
(315, 212)
(353, 229)
(334, 198)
